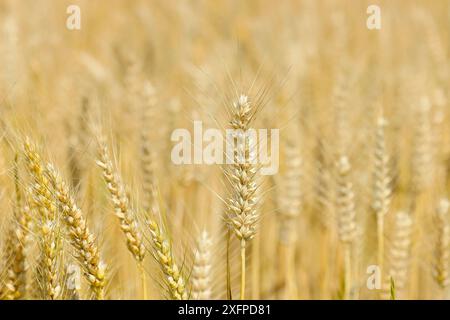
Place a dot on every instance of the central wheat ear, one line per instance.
(242, 214)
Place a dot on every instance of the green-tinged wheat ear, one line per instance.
(163, 253)
(201, 273)
(127, 217)
(83, 241)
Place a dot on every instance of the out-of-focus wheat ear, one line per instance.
(127, 217)
(290, 195)
(201, 273)
(345, 202)
(442, 245)
(423, 153)
(242, 213)
(83, 241)
(47, 276)
(323, 189)
(148, 156)
(78, 144)
(382, 190)
(347, 228)
(290, 204)
(400, 250)
(162, 251)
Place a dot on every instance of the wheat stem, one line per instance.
(243, 270)
(143, 277)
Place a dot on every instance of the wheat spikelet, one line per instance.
(164, 255)
(201, 272)
(82, 240)
(442, 245)
(127, 218)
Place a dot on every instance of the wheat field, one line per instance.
(94, 204)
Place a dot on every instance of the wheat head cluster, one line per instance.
(93, 207)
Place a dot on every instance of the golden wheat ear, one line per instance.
(83, 241)
(129, 222)
(127, 217)
(16, 243)
(47, 277)
(163, 253)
